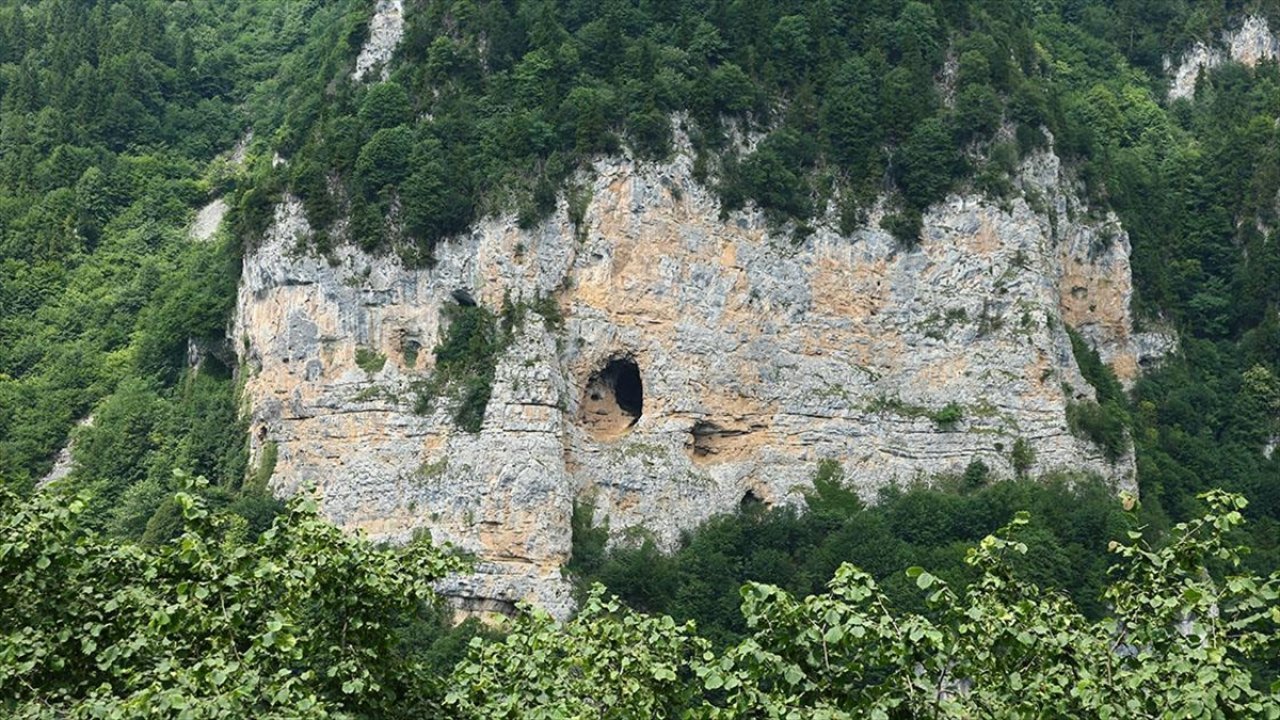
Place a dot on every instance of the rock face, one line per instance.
(700, 363)
(1250, 44)
(208, 220)
(386, 27)
(64, 463)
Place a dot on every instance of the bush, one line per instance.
(466, 359)
(1103, 425)
(1022, 456)
(947, 417)
(302, 616)
(904, 226)
(369, 360)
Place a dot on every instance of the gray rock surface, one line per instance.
(208, 220)
(386, 28)
(1250, 44)
(759, 358)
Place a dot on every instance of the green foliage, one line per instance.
(385, 106)
(918, 525)
(1101, 425)
(1180, 642)
(508, 102)
(384, 160)
(266, 466)
(1022, 456)
(904, 226)
(369, 360)
(1105, 422)
(829, 493)
(466, 359)
(976, 474)
(111, 115)
(607, 662)
(948, 416)
(1098, 374)
(926, 164)
(297, 622)
(588, 540)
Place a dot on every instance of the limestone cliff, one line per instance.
(385, 29)
(700, 362)
(1250, 44)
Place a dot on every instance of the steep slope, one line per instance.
(756, 358)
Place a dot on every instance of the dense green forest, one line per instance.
(111, 118)
(116, 119)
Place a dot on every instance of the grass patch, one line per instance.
(944, 417)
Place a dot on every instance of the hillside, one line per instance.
(673, 296)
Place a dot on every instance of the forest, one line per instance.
(162, 578)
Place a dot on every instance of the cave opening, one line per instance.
(613, 399)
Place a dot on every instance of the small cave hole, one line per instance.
(703, 440)
(750, 502)
(711, 442)
(613, 400)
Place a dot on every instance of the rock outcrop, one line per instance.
(700, 363)
(208, 219)
(1250, 44)
(64, 461)
(386, 27)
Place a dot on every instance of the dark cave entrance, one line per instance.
(613, 399)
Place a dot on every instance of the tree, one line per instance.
(926, 164)
(1180, 642)
(384, 160)
(385, 106)
(299, 622)
(849, 120)
(607, 662)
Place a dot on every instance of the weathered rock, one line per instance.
(386, 28)
(208, 220)
(1250, 44)
(757, 359)
(64, 463)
